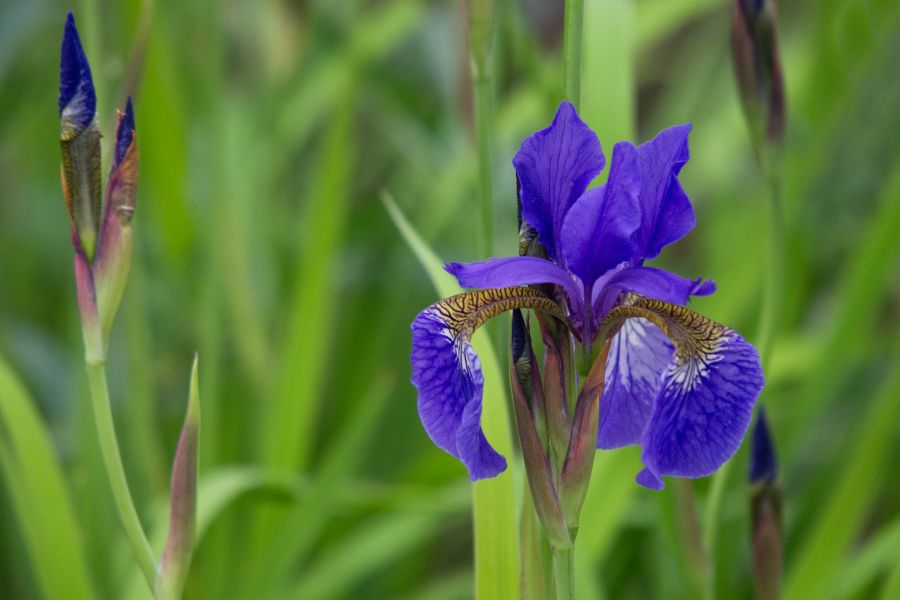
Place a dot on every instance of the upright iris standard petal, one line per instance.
(667, 212)
(555, 166)
(706, 394)
(447, 372)
(639, 354)
(515, 270)
(597, 231)
(77, 100)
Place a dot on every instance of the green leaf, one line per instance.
(496, 530)
(823, 552)
(39, 495)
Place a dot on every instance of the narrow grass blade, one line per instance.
(39, 495)
(496, 530)
(821, 556)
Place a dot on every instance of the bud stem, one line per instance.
(564, 573)
(115, 472)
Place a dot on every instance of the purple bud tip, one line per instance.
(125, 132)
(763, 463)
(76, 87)
(752, 7)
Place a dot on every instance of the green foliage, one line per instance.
(267, 132)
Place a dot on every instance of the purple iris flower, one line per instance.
(678, 384)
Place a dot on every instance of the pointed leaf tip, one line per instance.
(176, 558)
(77, 99)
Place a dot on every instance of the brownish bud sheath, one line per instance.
(113, 260)
(558, 422)
(766, 499)
(576, 473)
(81, 184)
(176, 558)
(537, 466)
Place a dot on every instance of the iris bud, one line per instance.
(766, 512)
(757, 62)
(80, 141)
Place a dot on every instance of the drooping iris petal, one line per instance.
(447, 373)
(597, 231)
(706, 393)
(77, 100)
(555, 166)
(703, 408)
(667, 214)
(515, 270)
(639, 353)
(650, 282)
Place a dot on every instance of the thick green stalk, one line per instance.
(774, 278)
(115, 472)
(572, 50)
(564, 573)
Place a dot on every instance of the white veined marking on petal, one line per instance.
(691, 373)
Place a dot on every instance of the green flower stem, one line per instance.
(774, 280)
(772, 300)
(115, 472)
(564, 573)
(483, 87)
(572, 50)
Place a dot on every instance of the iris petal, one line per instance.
(639, 353)
(650, 282)
(597, 231)
(703, 408)
(447, 373)
(515, 270)
(667, 212)
(706, 394)
(555, 166)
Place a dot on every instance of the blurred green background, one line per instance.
(267, 131)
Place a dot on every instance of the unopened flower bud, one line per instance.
(757, 62)
(766, 512)
(80, 140)
(113, 260)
